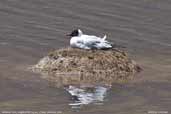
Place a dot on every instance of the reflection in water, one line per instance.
(86, 95)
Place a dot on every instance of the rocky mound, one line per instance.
(75, 66)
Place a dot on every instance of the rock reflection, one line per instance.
(69, 67)
(83, 95)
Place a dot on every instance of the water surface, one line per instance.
(29, 29)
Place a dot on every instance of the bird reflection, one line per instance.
(86, 95)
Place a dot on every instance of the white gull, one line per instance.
(83, 41)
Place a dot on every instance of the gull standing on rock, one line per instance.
(83, 41)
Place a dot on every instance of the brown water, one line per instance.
(31, 28)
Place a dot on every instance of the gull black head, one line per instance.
(76, 32)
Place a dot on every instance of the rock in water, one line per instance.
(76, 66)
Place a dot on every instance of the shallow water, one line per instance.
(29, 29)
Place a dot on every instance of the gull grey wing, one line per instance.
(80, 44)
(93, 44)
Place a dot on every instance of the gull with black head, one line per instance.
(83, 41)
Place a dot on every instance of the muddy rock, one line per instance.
(75, 66)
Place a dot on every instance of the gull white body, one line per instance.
(89, 42)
